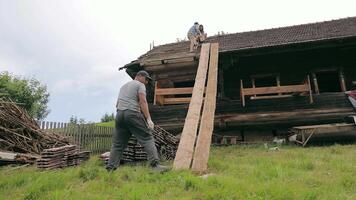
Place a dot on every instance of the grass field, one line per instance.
(107, 124)
(239, 172)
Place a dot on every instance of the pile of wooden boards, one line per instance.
(16, 158)
(61, 157)
(194, 153)
(166, 144)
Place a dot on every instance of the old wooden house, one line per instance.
(268, 81)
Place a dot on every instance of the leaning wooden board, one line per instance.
(186, 145)
(202, 149)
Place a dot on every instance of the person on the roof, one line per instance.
(202, 35)
(193, 35)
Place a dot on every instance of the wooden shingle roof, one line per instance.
(335, 29)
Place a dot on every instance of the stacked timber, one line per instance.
(61, 157)
(134, 152)
(165, 142)
(16, 158)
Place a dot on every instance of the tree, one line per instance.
(108, 118)
(74, 120)
(29, 93)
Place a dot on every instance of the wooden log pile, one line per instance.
(60, 157)
(19, 133)
(166, 144)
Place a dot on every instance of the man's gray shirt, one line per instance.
(128, 96)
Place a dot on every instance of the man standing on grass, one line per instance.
(133, 117)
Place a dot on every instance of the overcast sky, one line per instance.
(75, 47)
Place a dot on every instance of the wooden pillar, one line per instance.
(154, 92)
(242, 93)
(310, 90)
(253, 84)
(157, 99)
(221, 84)
(278, 81)
(315, 81)
(342, 80)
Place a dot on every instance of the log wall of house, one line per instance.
(263, 119)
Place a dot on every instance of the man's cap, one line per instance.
(196, 23)
(144, 73)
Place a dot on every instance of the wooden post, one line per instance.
(242, 93)
(253, 84)
(154, 94)
(278, 81)
(310, 90)
(185, 149)
(342, 80)
(202, 149)
(315, 81)
(221, 84)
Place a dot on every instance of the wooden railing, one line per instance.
(91, 137)
(279, 91)
(161, 93)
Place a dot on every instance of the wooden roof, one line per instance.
(328, 30)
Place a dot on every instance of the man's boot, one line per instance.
(160, 168)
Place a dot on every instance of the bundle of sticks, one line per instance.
(20, 133)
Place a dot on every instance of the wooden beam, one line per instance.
(202, 149)
(271, 97)
(172, 91)
(167, 67)
(185, 149)
(179, 100)
(275, 90)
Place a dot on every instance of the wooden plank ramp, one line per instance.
(185, 150)
(202, 149)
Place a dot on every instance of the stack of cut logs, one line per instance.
(166, 144)
(20, 134)
(61, 157)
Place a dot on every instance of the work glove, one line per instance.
(150, 124)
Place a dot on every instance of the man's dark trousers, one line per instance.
(128, 122)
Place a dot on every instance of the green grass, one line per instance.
(106, 124)
(239, 172)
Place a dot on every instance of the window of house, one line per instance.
(328, 81)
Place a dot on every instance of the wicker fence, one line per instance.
(96, 139)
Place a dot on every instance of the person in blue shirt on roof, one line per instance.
(193, 35)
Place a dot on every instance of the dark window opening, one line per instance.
(328, 81)
(268, 80)
(183, 84)
(265, 81)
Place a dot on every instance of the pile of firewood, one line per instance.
(166, 144)
(19, 133)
